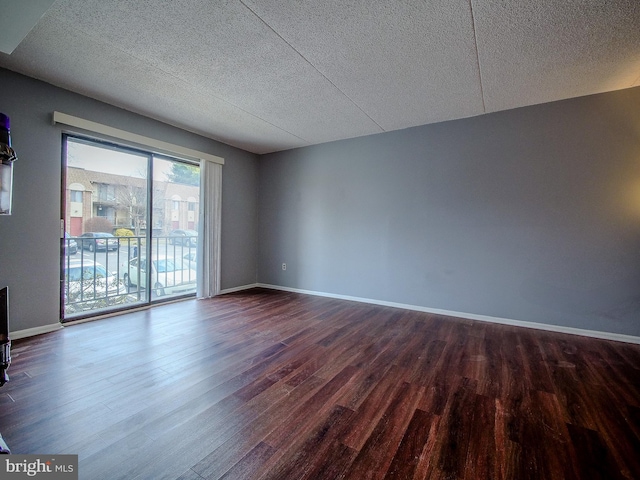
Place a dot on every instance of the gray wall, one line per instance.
(530, 214)
(29, 239)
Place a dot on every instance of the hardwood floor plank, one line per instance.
(250, 465)
(632, 415)
(341, 457)
(372, 408)
(481, 459)
(615, 430)
(549, 422)
(425, 463)
(455, 431)
(317, 403)
(376, 455)
(301, 458)
(490, 385)
(535, 363)
(248, 435)
(594, 462)
(405, 462)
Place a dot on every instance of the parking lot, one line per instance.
(97, 278)
(117, 261)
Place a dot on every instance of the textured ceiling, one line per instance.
(268, 75)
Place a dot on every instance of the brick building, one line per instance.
(123, 201)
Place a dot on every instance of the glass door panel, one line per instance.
(174, 237)
(106, 216)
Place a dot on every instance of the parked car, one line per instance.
(88, 286)
(168, 276)
(94, 241)
(190, 260)
(183, 237)
(70, 245)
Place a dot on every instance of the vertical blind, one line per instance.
(209, 229)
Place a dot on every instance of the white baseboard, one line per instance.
(619, 337)
(238, 289)
(30, 332)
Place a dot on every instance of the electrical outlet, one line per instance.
(284, 266)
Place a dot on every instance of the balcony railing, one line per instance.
(106, 273)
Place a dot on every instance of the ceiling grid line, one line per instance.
(475, 44)
(182, 80)
(195, 87)
(312, 65)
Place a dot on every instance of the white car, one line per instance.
(168, 277)
(190, 259)
(88, 286)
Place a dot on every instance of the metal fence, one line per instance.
(104, 273)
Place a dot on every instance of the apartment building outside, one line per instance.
(122, 200)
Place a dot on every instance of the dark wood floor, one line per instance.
(273, 385)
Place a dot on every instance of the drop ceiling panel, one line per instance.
(223, 50)
(403, 63)
(17, 19)
(539, 51)
(130, 83)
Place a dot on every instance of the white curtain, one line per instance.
(209, 229)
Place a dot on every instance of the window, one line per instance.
(106, 192)
(76, 196)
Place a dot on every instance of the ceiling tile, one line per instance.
(403, 63)
(223, 49)
(88, 66)
(539, 51)
(17, 20)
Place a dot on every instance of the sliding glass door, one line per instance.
(130, 228)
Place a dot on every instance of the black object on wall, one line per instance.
(5, 348)
(7, 157)
(5, 341)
